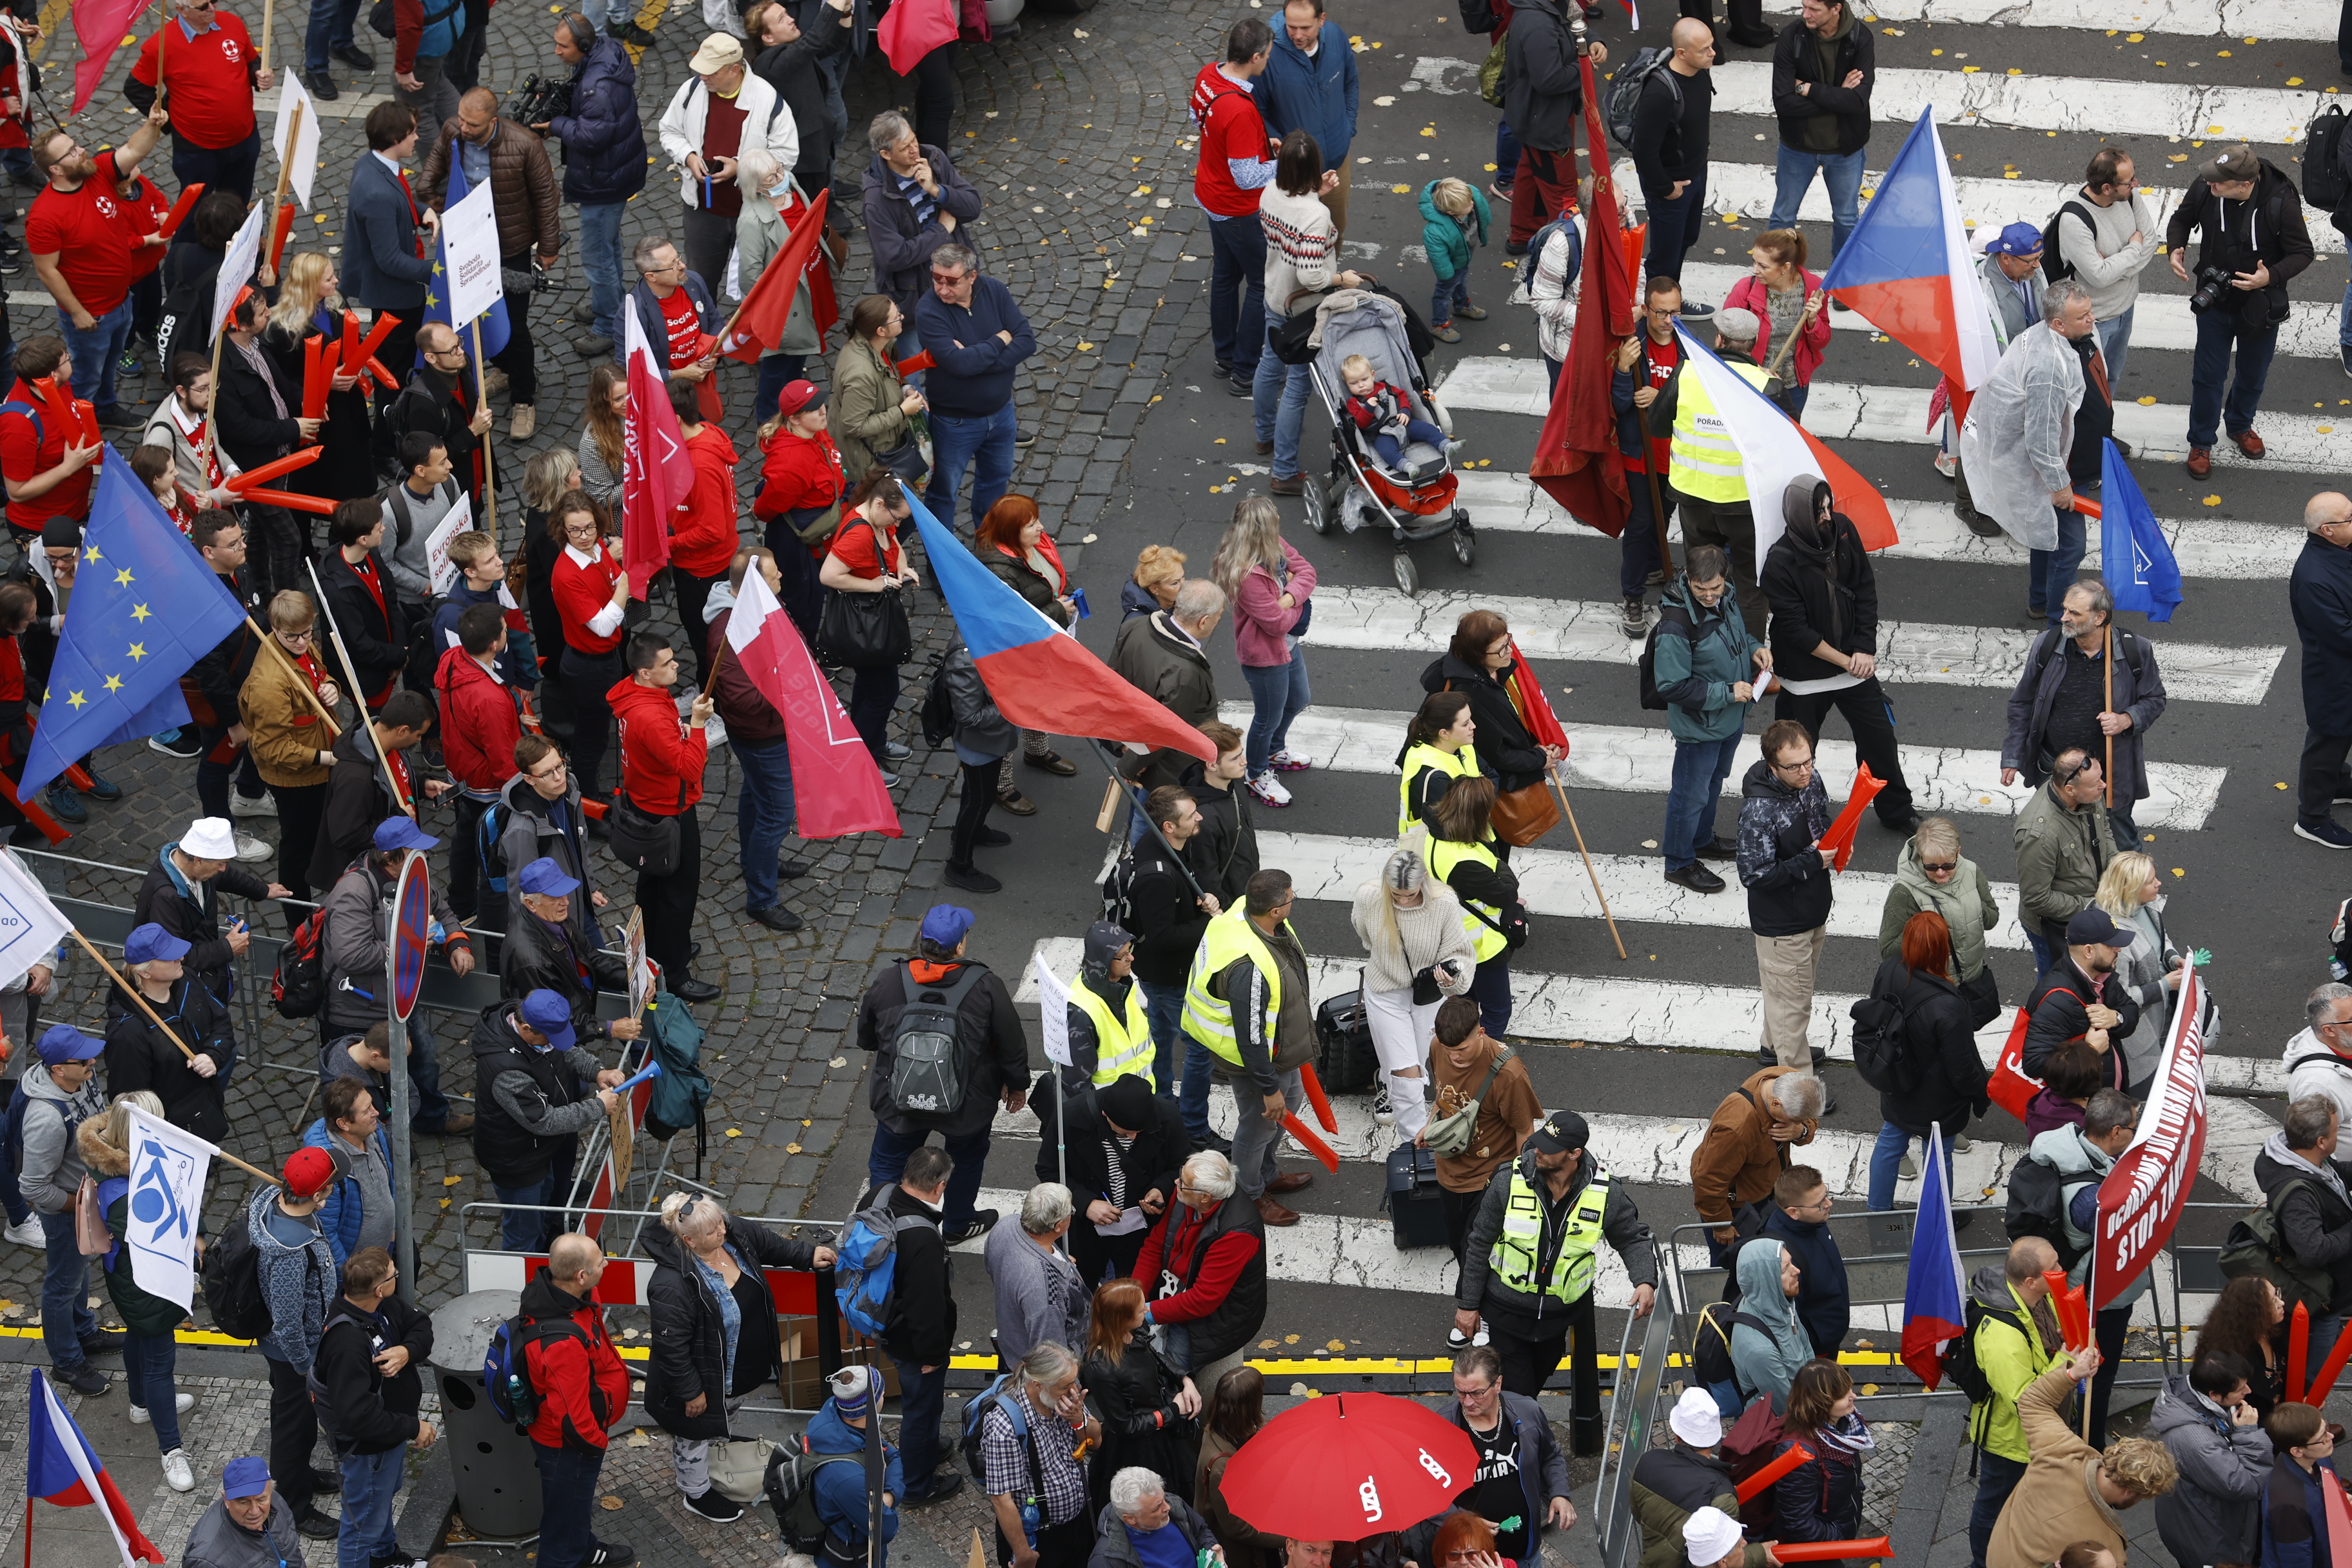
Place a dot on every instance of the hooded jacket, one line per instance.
(1819, 590)
(366, 1411)
(1097, 949)
(2214, 1514)
(529, 832)
(1788, 888)
(1223, 852)
(191, 911)
(344, 1213)
(299, 1280)
(1444, 235)
(1622, 1227)
(584, 1388)
(1797, 58)
(2319, 594)
(143, 1314)
(2009, 1356)
(1825, 1303)
(1966, 902)
(1737, 1161)
(2312, 1069)
(1507, 749)
(353, 949)
(1696, 667)
(1948, 1087)
(1315, 93)
(481, 720)
(2056, 1502)
(841, 1497)
(662, 758)
(2314, 1218)
(1767, 1360)
(2081, 1165)
(2139, 691)
(52, 1170)
(1543, 91)
(2062, 852)
(603, 140)
(537, 1104)
(902, 246)
(689, 1348)
(2281, 238)
(991, 1038)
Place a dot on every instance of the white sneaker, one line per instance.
(251, 805)
(1383, 1111)
(1946, 463)
(183, 1403)
(176, 1474)
(254, 851)
(29, 1233)
(1268, 788)
(1480, 1337)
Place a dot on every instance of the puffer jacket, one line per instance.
(2214, 1514)
(142, 1313)
(1948, 1085)
(1444, 236)
(1506, 749)
(298, 1282)
(604, 139)
(1019, 574)
(522, 188)
(689, 1350)
(1788, 888)
(345, 1210)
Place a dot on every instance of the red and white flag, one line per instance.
(655, 474)
(2142, 1194)
(837, 788)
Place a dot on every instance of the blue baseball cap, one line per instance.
(151, 942)
(946, 924)
(2094, 927)
(2017, 239)
(544, 878)
(247, 1476)
(64, 1043)
(394, 833)
(551, 1014)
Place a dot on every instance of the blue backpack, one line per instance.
(865, 1271)
(506, 1375)
(999, 1394)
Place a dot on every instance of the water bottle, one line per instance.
(1031, 1520)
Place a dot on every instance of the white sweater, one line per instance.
(1302, 246)
(2105, 260)
(1431, 934)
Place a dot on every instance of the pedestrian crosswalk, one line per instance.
(2273, 21)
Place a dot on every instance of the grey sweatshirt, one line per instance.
(2104, 258)
(409, 567)
(53, 1167)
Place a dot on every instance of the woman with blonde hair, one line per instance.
(2149, 968)
(307, 299)
(1149, 1410)
(547, 478)
(603, 434)
(1159, 572)
(1932, 874)
(149, 1350)
(1416, 954)
(1268, 584)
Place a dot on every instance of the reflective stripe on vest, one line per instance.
(1706, 463)
(1441, 855)
(1517, 1246)
(1420, 757)
(1209, 1020)
(1121, 1046)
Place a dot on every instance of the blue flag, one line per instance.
(494, 329)
(2133, 557)
(145, 608)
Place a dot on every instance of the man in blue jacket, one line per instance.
(2319, 594)
(1310, 84)
(839, 1426)
(385, 259)
(604, 165)
(977, 336)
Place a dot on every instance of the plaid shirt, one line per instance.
(1061, 1486)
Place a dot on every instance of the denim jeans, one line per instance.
(1792, 402)
(1446, 295)
(986, 443)
(2115, 342)
(531, 1229)
(147, 1371)
(226, 168)
(1996, 1478)
(1237, 292)
(330, 28)
(922, 1395)
(2049, 573)
(1280, 393)
(66, 1320)
(2217, 334)
(763, 815)
(1637, 547)
(1193, 1099)
(567, 1504)
(1674, 224)
(1507, 153)
(1700, 768)
(1163, 1009)
(600, 259)
(2043, 952)
(1793, 177)
(887, 1159)
(1490, 987)
(1277, 693)
(370, 1483)
(95, 353)
(1886, 1156)
(607, 15)
(19, 1211)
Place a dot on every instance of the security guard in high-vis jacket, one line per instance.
(1528, 1264)
(1709, 478)
(1109, 1036)
(1245, 1002)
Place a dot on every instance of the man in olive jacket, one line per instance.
(1164, 654)
(2064, 841)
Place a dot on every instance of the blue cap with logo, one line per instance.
(64, 1043)
(2017, 239)
(549, 1014)
(151, 942)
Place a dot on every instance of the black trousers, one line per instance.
(709, 240)
(517, 359)
(693, 592)
(464, 70)
(1459, 1209)
(668, 901)
(1100, 1258)
(1730, 525)
(972, 810)
(934, 78)
(465, 889)
(1870, 717)
(293, 1432)
(281, 553)
(587, 678)
(1530, 1349)
(2322, 777)
(301, 809)
(1065, 1545)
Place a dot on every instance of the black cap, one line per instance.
(1561, 1132)
(2093, 926)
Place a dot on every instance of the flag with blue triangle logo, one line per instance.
(2134, 556)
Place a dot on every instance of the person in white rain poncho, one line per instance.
(2021, 423)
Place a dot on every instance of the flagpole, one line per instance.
(1102, 753)
(301, 681)
(1657, 500)
(2090, 1311)
(2109, 661)
(359, 697)
(1553, 769)
(489, 464)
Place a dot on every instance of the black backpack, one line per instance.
(1959, 1360)
(939, 706)
(1625, 92)
(1673, 615)
(2055, 265)
(232, 1279)
(931, 1065)
(791, 1470)
(2324, 185)
(298, 987)
(1711, 1336)
(2255, 1244)
(1882, 1055)
(2037, 1199)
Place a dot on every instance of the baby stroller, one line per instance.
(1416, 499)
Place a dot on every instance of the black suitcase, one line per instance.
(1344, 1059)
(1416, 1213)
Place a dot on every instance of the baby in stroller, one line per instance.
(1378, 408)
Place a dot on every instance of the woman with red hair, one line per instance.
(1465, 1541)
(1941, 1081)
(1012, 542)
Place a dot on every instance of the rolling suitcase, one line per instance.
(1344, 1059)
(1416, 1215)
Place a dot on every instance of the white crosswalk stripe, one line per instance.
(1626, 758)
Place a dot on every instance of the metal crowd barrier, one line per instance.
(1633, 1415)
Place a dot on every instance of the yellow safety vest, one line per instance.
(1419, 758)
(1514, 1256)
(1707, 464)
(1122, 1046)
(1441, 855)
(1210, 1021)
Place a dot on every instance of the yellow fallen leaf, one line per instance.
(2135, 37)
(2179, 872)
(2148, 402)
(1268, 1344)
(2295, 81)
(445, 1202)
(610, 1503)
(734, 1132)
(1400, 190)
(1337, 1345)
(1429, 131)
(451, 1181)
(2212, 501)
(1868, 1388)
(1290, 1338)
(1086, 348)
(791, 1147)
(1220, 441)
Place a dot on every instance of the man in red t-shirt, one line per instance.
(1646, 364)
(674, 309)
(48, 467)
(81, 248)
(1235, 163)
(210, 73)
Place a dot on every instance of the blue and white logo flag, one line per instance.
(168, 1168)
(30, 926)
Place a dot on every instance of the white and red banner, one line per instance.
(836, 787)
(2141, 1197)
(655, 474)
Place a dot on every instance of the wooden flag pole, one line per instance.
(301, 681)
(359, 697)
(285, 164)
(269, 15)
(211, 433)
(2109, 661)
(490, 463)
(1562, 790)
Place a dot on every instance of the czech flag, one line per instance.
(1775, 449)
(1936, 1291)
(63, 1468)
(2134, 556)
(1040, 676)
(1907, 267)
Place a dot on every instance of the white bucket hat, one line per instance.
(209, 838)
(1696, 1419)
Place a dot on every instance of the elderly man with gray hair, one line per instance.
(1203, 1271)
(914, 203)
(1029, 1432)
(1744, 1149)
(1039, 1294)
(2309, 1193)
(1143, 1527)
(2318, 1059)
(2319, 594)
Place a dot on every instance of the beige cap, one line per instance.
(2235, 162)
(718, 52)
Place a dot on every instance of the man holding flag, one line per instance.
(2090, 684)
(477, 146)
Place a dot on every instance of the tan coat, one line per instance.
(2056, 1502)
(1738, 1162)
(287, 732)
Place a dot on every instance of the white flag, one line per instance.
(302, 159)
(469, 256)
(443, 571)
(30, 926)
(168, 1167)
(1052, 1012)
(243, 254)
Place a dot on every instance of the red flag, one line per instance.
(2010, 1088)
(759, 322)
(1534, 708)
(655, 471)
(837, 789)
(1576, 459)
(100, 26)
(913, 28)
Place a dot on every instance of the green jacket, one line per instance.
(1662, 1531)
(1912, 893)
(864, 414)
(1445, 236)
(1695, 674)
(2061, 853)
(2010, 1357)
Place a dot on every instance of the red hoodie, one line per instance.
(583, 1389)
(702, 533)
(481, 720)
(1230, 129)
(661, 759)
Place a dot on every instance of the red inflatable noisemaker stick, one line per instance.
(1840, 836)
(916, 366)
(373, 341)
(1330, 1162)
(1315, 1095)
(1831, 1550)
(2324, 1381)
(2298, 1350)
(180, 208)
(315, 375)
(243, 484)
(291, 501)
(1797, 1455)
(350, 350)
(278, 236)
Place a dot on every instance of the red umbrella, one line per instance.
(1347, 1466)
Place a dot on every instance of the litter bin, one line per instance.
(498, 1480)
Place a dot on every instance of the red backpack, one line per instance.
(298, 988)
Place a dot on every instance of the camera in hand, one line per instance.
(2212, 287)
(539, 101)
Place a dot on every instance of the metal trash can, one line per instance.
(497, 1478)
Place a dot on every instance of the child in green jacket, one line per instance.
(1450, 209)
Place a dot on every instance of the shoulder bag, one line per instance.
(1524, 815)
(866, 631)
(641, 840)
(1449, 1136)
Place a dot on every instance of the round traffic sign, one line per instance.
(412, 917)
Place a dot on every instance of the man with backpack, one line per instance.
(539, 816)
(1028, 1437)
(2309, 1195)
(1703, 659)
(2063, 1208)
(843, 1507)
(351, 954)
(1543, 98)
(537, 1091)
(581, 1390)
(53, 1100)
(481, 720)
(2106, 246)
(1151, 895)
(916, 1311)
(293, 1282)
(2012, 1334)
(947, 1047)
(365, 1384)
(1668, 141)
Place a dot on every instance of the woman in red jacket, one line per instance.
(703, 536)
(1789, 300)
(802, 487)
(592, 592)
(1014, 544)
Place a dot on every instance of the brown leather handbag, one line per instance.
(1524, 816)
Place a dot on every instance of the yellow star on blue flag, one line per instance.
(103, 706)
(495, 328)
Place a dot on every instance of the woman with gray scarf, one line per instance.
(1416, 955)
(2149, 968)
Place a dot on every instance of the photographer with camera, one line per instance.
(2250, 239)
(604, 165)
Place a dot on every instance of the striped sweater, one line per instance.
(1302, 246)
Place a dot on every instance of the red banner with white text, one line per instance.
(2140, 1198)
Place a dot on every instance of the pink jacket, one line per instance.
(1749, 294)
(1260, 623)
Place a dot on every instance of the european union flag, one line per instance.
(494, 329)
(145, 608)
(2133, 555)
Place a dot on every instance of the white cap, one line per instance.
(1710, 1536)
(209, 838)
(1696, 1419)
